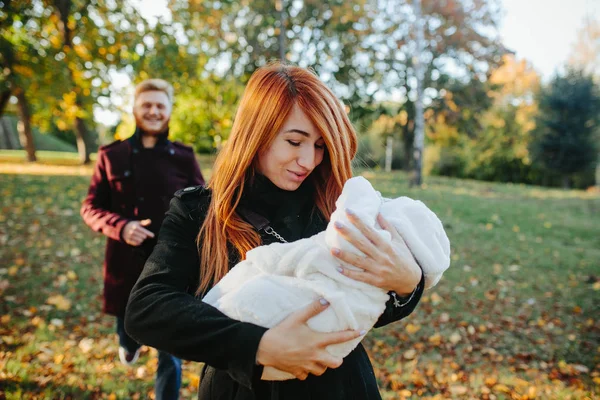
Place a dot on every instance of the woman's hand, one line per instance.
(383, 266)
(293, 347)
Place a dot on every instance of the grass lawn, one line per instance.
(517, 316)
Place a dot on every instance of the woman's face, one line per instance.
(296, 151)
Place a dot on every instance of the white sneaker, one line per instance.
(128, 358)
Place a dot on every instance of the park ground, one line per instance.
(517, 315)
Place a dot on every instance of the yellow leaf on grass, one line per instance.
(86, 345)
(455, 338)
(195, 381)
(60, 302)
(491, 381)
(7, 339)
(410, 354)
(436, 339)
(458, 389)
(532, 392)
(501, 388)
(412, 328)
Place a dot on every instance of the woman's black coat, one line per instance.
(164, 313)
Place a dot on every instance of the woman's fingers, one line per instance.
(358, 239)
(306, 313)
(329, 361)
(339, 337)
(302, 375)
(352, 259)
(361, 276)
(317, 369)
(365, 229)
(385, 224)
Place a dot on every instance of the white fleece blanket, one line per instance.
(277, 279)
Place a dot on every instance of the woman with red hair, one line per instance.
(277, 178)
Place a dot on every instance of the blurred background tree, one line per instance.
(65, 51)
(565, 136)
(61, 59)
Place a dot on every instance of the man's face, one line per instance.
(152, 111)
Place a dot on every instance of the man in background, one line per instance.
(130, 190)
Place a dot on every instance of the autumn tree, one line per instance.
(95, 37)
(19, 60)
(500, 149)
(210, 49)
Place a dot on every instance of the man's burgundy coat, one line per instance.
(131, 183)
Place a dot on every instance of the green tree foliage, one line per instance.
(203, 115)
(566, 128)
(362, 49)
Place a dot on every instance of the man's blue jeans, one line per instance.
(168, 374)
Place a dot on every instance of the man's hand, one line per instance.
(134, 232)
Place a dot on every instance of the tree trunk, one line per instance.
(11, 142)
(82, 135)
(24, 126)
(566, 182)
(279, 8)
(419, 136)
(388, 153)
(597, 174)
(4, 97)
(408, 141)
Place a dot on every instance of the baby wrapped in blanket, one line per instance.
(277, 279)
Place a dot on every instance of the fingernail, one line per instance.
(338, 224)
(340, 270)
(363, 332)
(323, 302)
(349, 211)
(336, 251)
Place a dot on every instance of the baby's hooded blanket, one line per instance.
(278, 279)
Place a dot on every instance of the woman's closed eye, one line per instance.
(297, 144)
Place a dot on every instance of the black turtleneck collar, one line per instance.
(265, 198)
(136, 139)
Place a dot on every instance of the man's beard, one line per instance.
(140, 123)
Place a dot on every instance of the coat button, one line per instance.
(141, 199)
(136, 150)
(171, 151)
(127, 173)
